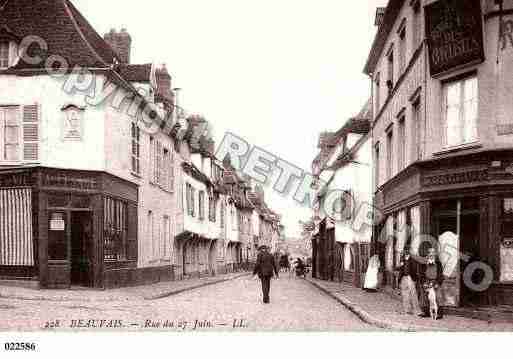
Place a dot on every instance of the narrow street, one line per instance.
(295, 306)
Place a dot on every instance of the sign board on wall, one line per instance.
(454, 31)
(57, 222)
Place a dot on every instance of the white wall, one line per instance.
(49, 94)
(356, 178)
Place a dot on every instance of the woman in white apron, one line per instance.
(371, 277)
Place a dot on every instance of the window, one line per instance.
(170, 163)
(190, 199)
(222, 214)
(166, 169)
(390, 153)
(152, 160)
(402, 49)
(162, 171)
(212, 205)
(376, 164)
(390, 63)
(415, 131)
(201, 199)
(136, 149)
(417, 25)
(377, 90)
(11, 134)
(115, 228)
(158, 162)
(401, 156)
(461, 107)
(4, 55)
(19, 133)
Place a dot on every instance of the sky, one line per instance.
(274, 72)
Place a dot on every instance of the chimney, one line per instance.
(163, 82)
(380, 16)
(121, 43)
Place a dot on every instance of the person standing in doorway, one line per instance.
(431, 274)
(407, 280)
(265, 268)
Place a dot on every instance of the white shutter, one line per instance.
(31, 133)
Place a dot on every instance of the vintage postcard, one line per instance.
(255, 166)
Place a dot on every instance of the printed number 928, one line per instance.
(20, 346)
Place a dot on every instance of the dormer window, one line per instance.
(4, 55)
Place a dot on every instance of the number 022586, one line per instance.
(20, 346)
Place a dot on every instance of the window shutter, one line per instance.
(171, 170)
(31, 133)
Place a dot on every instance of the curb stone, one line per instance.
(181, 290)
(39, 297)
(370, 319)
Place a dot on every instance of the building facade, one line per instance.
(343, 171)
(94, 190)
(441, 135)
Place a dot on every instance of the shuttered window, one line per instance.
(16, 240)
(136, 148)
(19, 133)
(31, 133)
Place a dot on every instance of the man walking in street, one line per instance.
(265, 268)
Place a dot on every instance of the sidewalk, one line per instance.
(383, 311)
(145, 292)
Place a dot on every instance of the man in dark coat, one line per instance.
(265, 268)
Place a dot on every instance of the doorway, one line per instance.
(457, 227)
(212, 258)
(81, 249)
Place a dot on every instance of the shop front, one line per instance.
(465, 207)
(63, 228)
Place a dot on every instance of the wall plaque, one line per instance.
(454, 31)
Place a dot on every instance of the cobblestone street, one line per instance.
(295, 306)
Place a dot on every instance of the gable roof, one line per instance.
(391, 12)
(66, 32)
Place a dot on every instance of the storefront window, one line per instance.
(389, 252)
(415, 230)
(57, 239)
(115, 230)
(506, 249)
(402, 236)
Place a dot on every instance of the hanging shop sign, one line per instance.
(454, 31)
